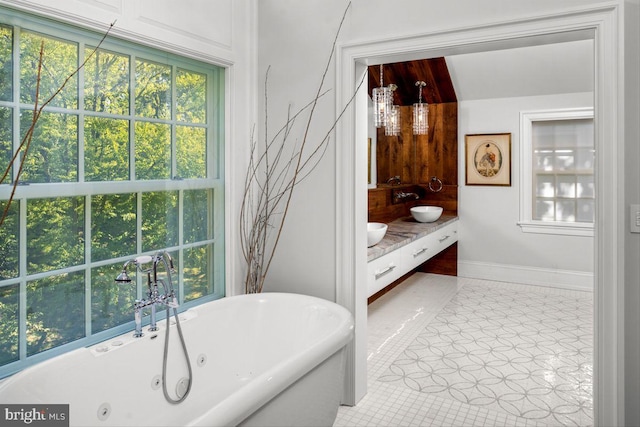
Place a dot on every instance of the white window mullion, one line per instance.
(181, 245)
(17, 137)
(132, 117)
(81, 56)
(139, 277)
(87, 260)
(22, 212)
(174, 105)
(22, 304)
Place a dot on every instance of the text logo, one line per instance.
(34, 415)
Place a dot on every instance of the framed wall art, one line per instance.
(488, 159)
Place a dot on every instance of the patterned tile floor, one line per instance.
(448, 351)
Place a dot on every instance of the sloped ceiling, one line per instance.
(526, 71)
(404, 75)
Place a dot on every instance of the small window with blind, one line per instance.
(557, 172)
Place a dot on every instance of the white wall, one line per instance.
(220, 32)
(492, 245)
(305, 257)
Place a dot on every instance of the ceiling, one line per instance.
(547, 69)
(404, 75)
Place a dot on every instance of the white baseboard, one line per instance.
(564, 279)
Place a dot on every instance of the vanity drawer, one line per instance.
(383, 271)
(445, 237)
(418, 251)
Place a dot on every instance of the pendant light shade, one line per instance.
(420, 113)
(382, 103)
(392, 128)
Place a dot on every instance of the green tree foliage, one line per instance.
(9, 233)
(55, 233)
(110, 303)
(106, 86)
(191, 143)
(153, 150)
(6, 120)
(197, 225)
(9, 332)
(53, 156)
(106, 149)
(198, 267)
(159, 220)
(60, 61)
(55, 311)
(6, 63)
(191, 102)
(113, 225)
(153, 90)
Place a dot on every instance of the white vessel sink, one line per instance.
(426, 213)
(375, 233)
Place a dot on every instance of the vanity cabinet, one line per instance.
(391, 266)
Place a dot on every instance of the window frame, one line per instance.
(526, 221)
(214, 180)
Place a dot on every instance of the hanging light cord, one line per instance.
(420, 85)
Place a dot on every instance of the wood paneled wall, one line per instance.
(417, 159)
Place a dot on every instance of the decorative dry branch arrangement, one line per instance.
(25, 143)
(274, 170)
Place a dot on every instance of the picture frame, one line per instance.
(488, 159)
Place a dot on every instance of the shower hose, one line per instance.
(166, 353)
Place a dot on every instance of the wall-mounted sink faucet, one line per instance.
(394, 180)
(399, 196)
(148, 265)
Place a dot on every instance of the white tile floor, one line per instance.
(449, 351)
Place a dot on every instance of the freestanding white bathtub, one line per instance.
(263, 359)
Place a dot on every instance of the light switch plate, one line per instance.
(634, 219)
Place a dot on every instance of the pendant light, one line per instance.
(392, 128)
(420, 113)
(382, 103)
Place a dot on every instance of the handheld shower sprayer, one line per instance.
(123, 277)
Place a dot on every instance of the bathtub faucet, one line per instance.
(148, 265)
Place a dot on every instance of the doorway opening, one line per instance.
(597, 24)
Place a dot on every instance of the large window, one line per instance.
(557, 172)
(126, 160)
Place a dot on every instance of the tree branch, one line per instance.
(272, 177)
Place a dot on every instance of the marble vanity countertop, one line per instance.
(403, 231)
